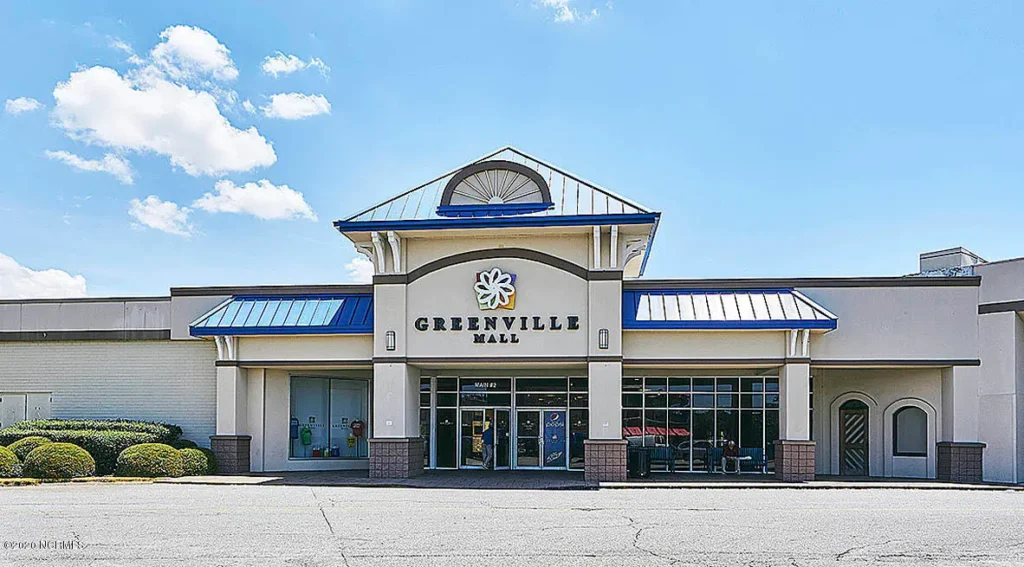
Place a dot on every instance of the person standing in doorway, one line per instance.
(488, 446)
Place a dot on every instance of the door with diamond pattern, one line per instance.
(853, 438)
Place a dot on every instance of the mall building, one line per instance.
(508, 302)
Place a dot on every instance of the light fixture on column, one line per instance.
(389, 340)
(602, 339)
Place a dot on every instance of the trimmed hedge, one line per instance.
(150, 460)
(184, 444)
(211, 460)
(104, 440)
(59, 461)
(9, 463)
(22, 447)
(195, 462)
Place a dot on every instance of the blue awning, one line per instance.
(288, 315)
(723, 309)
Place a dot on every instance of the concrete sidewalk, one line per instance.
(563, 480)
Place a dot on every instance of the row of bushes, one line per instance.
(48, 460)
(103, 440)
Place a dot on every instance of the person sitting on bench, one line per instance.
(730, 453)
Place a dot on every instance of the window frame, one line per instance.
(895, 433)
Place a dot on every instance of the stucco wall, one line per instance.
(86, 315)
(898, 323)
(165, 381)
(575, 248)
(703, 344)
(306, 347)
(884, 391)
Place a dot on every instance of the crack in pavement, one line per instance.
(841, 555)
(638, 547)
(320, 505)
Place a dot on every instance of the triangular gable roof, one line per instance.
(571, 195)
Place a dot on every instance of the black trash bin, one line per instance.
(638, 462)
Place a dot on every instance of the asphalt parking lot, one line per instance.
(163, 524)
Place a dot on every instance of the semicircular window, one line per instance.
(494, 188)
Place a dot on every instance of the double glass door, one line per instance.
(541, 439)
(476, 424)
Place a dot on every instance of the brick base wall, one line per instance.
(959, 462)
(794, 461)
(604, 460)
(232, 452)
(396, 458)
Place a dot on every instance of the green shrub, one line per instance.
(22, 447)
(9, 463)
(211, 460)
(150, 460)
(195, 462)
(184, 444)
(59, 461)
(104, 440)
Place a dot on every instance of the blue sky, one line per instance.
(783, 139)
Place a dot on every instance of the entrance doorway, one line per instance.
(853, 438)
(473, 423)
(541, 439)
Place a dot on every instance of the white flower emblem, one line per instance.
(495, 289)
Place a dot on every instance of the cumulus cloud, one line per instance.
(111, 163)
(21, 104)
(151, 114)
(281, 64)
(262, 199)
(19, 282)
(566, 14)
(360, 270)
(162, 215)
(296, 106)
(188, 52)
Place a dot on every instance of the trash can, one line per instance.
(638, 462)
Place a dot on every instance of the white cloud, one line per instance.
(249, 106)
(281, 64)
(360, 270)
(190, 52)
(161, 215)
(121, 45)
(566, 14)
(151, 114)
(111, 163)
(21, 104)
(262, 199)
(296, 106)
(19, 282)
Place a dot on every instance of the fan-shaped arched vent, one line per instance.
(494, 188)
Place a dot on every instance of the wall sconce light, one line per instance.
(602, 339)
(389, 340)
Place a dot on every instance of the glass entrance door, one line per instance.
(541, 439)
(475, 425)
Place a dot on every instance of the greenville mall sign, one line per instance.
(495, 290)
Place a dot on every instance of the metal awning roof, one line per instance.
(288, 315)
(570, 195)
(725, 309)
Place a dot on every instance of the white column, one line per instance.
(605, 400)
(794, 403)
(256, 384)
(960, 404)
(232, 401)
(396, 400)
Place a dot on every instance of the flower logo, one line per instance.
(495, 289)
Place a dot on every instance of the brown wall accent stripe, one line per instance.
(1000, 307)
(966, 281)
(270, 290)
(113, 335)
(341, 364)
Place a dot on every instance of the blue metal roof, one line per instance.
(725, 309)
(288, 315)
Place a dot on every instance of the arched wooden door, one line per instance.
(853, 438)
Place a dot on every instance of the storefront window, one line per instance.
(329, 418)
(699, 422)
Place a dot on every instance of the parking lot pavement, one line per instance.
(164, 524)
